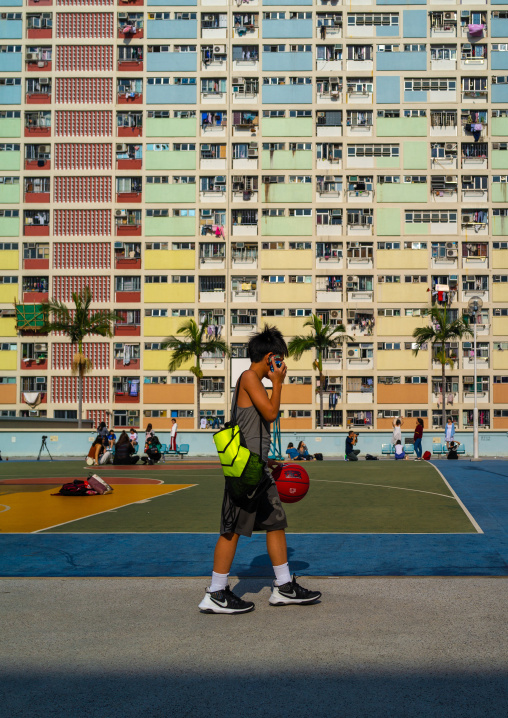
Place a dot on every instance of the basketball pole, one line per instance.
(275, 445)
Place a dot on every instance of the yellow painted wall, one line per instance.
(289, 326)
(168, 259)
(165, 293)
(402, 259)
(402, 292)
(499, 292)
(7, 326)
(304, 363)
(9, 393)
(168, 393)
(161, 326)
(500, 259)
(286, 293)
(499, 359)
(9, 293)
(158, 360)
(8, 361)
(9, 259)
(398, 326)
(295, 424)
(403, 359)
(296, 394)
(285, 259)
(500, 326)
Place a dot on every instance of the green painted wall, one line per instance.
(286, 226)
(415, 155)
(286, 160)
(170, 160)
(499, 159)
(499, 192)
(170, 226)
(10, 127)
(401, 192)
(9, 226)
(286, 192)
(9, 193)
(170, 193)
(10, 160)
(287, 126)
(386, 163)
(171, 127)
(417, 229)
(499, 126)
(388, 222)
(401, 127)
(499, 226)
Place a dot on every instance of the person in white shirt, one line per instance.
(133, 438)
(399, 451)
(397, 430)
(174, 431)
(203, 423)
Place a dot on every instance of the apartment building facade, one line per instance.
(253, 162)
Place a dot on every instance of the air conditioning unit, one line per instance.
(467, 178)
(219, 49)
(33, 413)
(238, 80)
(334, 314)
(40, 380)
(450, 245)
(120, 213)
(334, 380)
(253, 145)
(44, 81)
(31, 56)
(353, 353)
(122, 147)
(449, 146)
(40, 347)
(205, 147)
(220, 179)
(321, 114)
(45, 148)
(469, 380)
(209, 17)
(449, 179)
(253, 152)
(466, 46)
(218, 312)
(452, 253)
(467, 219)
(450, 16)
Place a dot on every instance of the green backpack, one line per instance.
(243, 469)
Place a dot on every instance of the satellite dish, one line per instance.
(474, 305)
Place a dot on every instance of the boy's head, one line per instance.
(269, 341)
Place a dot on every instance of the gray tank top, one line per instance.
(250, 422)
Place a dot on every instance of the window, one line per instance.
(156, 312)
(415, 380)
(272, 312)
(9, 245)
(182, 312)
(388, 312)
(388, 346)
(418, 217)
(300, 312)
(156, 279)
(388, 245)
(360, 19)
(416, 413)
(182, 380)
(427, 84)
(388, 279)
(373, 150)
(388, 380)
(274, 279)
(182, 279)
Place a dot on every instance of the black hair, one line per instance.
(398, 442)
(420, 421)
(397, 423)
(265, 342)
(290, 445)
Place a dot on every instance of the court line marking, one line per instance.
(131, 503)
(4, 509)
(460, 502)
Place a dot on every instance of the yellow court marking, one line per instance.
(39, 510)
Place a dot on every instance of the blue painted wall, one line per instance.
(499, 93)
(415, 23)
(289, 94)
(499, 27)
(401, 2)
(401, 61)
(287, 28)
(499, 60)
(11, 29)
(386, 31)
(11, 3)
(387, 90)
(170, 3)
(279, 61)
(287, 2)
(74, 443)
(171, 94)
(410, 96)
(172, 29)
(11, 61)
(171, 61)
(10, 94)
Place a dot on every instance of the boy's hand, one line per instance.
(277, 374)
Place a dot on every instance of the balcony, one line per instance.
(35, 291)
(129, 98)
(249, 296)
(38, 97)
(245, 258)
(127, 330)
(37, 190)
(126, 362)
(482, 362)
(127, 228)
(38, 130)
(360, 397)
(215, 296)
(124, 397)
(127, 262)
(329, 296)
(43, 396)
(210, 261)
(360, 295)
(41, 31)
(244, 328)
(37, 225)
(131, 29)
(38, 63)
(482, 397)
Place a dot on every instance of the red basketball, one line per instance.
(292, 482)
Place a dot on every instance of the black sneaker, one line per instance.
(224, 602)
(292, 592)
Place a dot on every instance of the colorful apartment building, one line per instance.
(250, 162)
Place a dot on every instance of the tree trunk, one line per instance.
(443, 388)
(198, 401)
(80, 397)
(321, 398)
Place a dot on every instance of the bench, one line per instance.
(181, 451)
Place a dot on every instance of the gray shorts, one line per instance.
(269, 514)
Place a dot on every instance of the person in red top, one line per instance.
(417, 439)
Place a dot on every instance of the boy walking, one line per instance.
(255, 412)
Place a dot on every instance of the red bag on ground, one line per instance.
(76, 488)
(427, 455)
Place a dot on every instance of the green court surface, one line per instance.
(362, 497)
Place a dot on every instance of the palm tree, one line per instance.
(193, 343)
(441, 330)
(76, 326)
(322, 338)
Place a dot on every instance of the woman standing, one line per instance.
(417, 439)
(149, 433)
(449, 431)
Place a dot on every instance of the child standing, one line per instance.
(255, 411)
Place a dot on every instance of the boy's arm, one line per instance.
(268, 407)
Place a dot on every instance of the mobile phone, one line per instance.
(276, 359)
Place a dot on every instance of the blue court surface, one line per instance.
(482, 487)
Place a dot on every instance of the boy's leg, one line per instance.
(277, 547)
(218, 597)
(285, 589)
(225, 550)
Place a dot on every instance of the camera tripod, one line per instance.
(44, 446)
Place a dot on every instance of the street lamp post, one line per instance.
(474, 305)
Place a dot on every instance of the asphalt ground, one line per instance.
(373, 648)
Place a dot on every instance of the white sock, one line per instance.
(219, 582)
(282, 574)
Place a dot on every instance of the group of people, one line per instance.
(299, 454)
(451, 444)
(106, 449)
